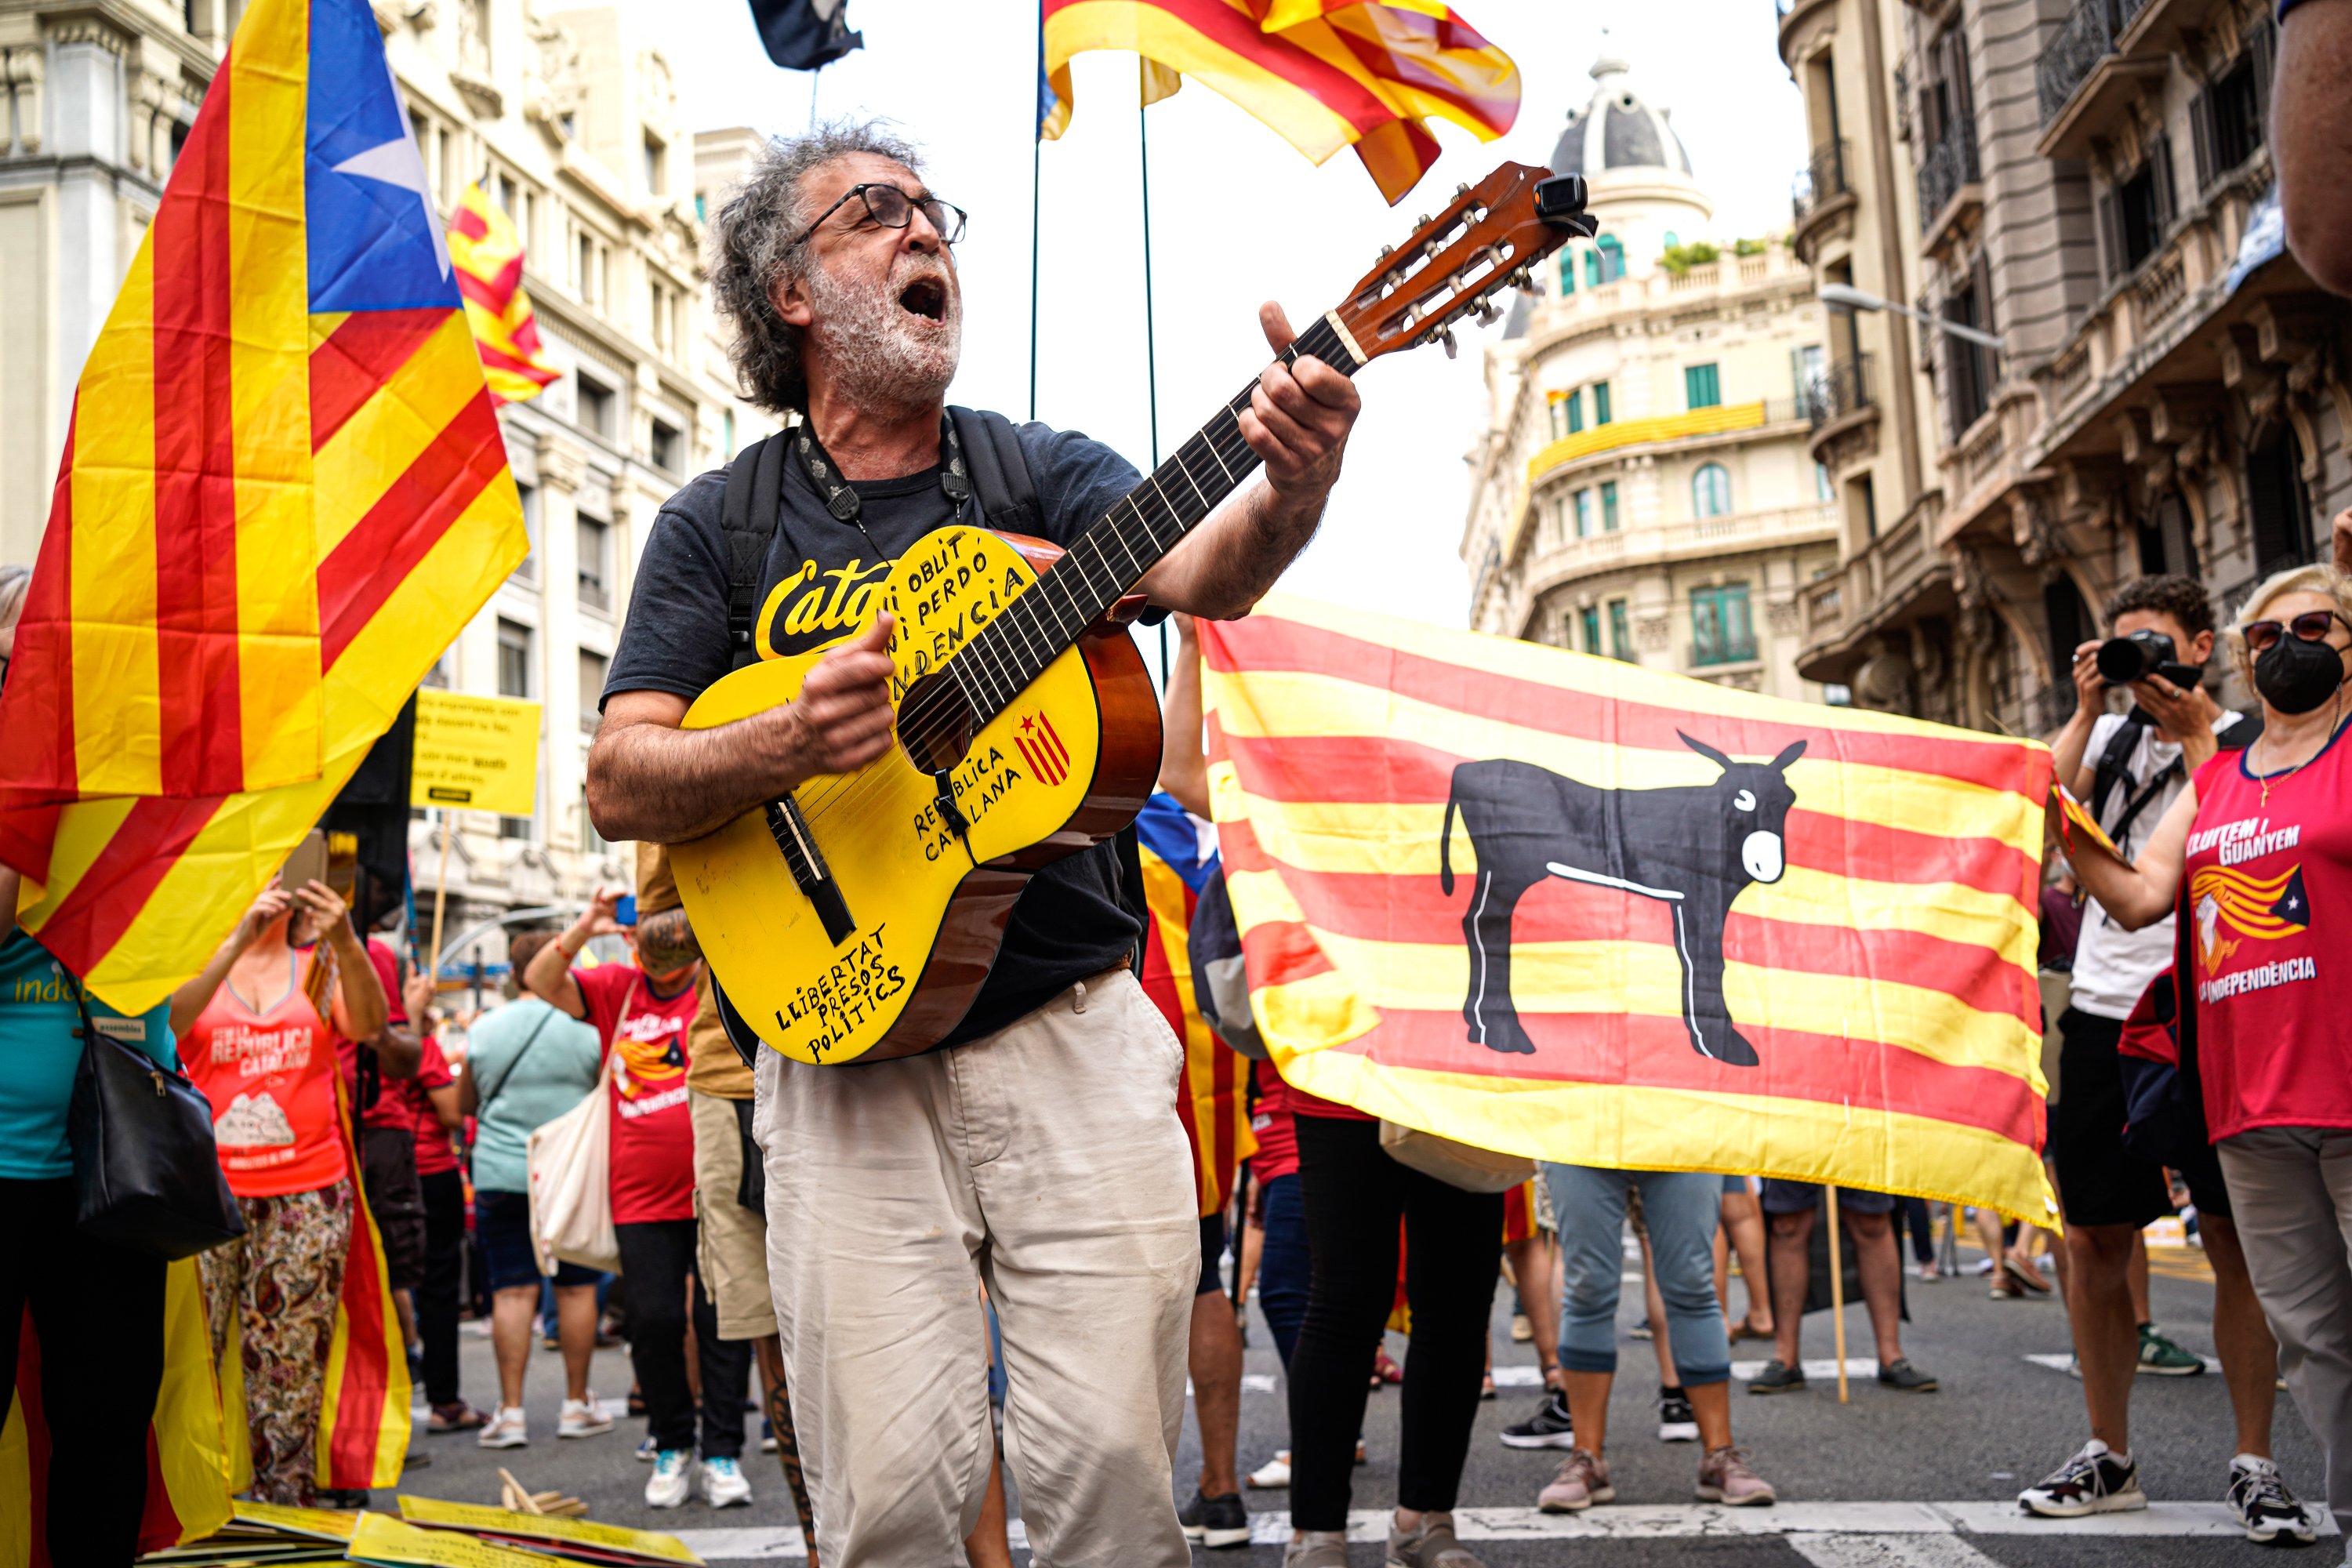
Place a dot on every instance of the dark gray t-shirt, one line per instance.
(1068, 923)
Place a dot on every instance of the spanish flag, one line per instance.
(1564, 907)
(487, 253)
(283, 493)
(1213, 1100)
(188, 1451)
(1324, 74)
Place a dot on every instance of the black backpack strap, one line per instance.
(2114, 769)
(1131, 896)
(747, 522)
(1000, 471)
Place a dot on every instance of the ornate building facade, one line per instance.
(1644, 490)
(2089, 182)
(572, 123)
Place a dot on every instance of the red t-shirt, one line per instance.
(391, 1108)
(434, 1151)
(1277, 1140)
(2265, 881)
(270, 1077)
(653, 1130)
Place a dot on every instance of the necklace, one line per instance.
(2335, 714)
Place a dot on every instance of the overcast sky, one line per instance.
(1237, 216)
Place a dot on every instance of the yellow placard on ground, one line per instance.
(326, 1523)
(477, 752)
(381, 1537)
(650, 1545)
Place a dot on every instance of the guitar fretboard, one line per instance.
(1112, 556)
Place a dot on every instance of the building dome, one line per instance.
(1617, 131)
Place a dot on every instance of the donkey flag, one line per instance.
(1324, 74)
(805, 35)
(284, 492)
(1560, 906)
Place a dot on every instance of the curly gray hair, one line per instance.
(753, 254)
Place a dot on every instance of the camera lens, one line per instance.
(2123, 660)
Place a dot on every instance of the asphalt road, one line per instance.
(1916, 1480)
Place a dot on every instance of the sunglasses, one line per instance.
(2312, 626)
(891, 207)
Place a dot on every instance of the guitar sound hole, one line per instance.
(934, 723)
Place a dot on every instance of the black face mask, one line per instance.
(2296, 676)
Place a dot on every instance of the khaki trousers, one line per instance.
(732, 1243)
(2290, 1196)
(1048, 1161)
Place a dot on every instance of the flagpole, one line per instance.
(1037, 200)
(1150, 339)
(1837, 1285)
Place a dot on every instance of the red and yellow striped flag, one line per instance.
(486, 252)
(187, 1449)
(283, 494)
(1564, 907)
(1324, 74)
(1213, 1100)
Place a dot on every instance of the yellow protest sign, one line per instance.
(383, 1539)
(650, 1545)
(479, 753)
(325, 1524)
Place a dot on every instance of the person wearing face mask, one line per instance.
(2257, 853)
(2130, 769)
(643, 1021)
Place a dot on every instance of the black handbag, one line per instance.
(147, 1172)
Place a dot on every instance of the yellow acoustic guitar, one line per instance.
(858, 916)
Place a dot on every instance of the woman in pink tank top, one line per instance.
(2257, 853)
(253, 1039)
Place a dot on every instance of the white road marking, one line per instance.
(1829, 1535)
(1855, 1366)
(1252, 1383)
(2060, 1362)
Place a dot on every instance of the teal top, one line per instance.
(39, 1051)
(524, 1090)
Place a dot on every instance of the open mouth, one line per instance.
(925, 297)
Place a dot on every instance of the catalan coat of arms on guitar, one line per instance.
(859, 915)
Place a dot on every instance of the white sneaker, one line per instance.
(1273, 1474)
(723, 1485)
(583, 1418)
(506, 1429)
(672, 1480)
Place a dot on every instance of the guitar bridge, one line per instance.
(810, 873)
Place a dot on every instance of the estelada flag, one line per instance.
(486, 252)
(1324, 74)
(1564, 907)
(283, 494)
(187, 1451)
(1213, 1100)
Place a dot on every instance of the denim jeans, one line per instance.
(1282, 1267)
(1681, 1210)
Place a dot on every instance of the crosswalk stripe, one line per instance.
(1827, 1534)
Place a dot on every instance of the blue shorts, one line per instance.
(1797, 1197)
(502, 1225)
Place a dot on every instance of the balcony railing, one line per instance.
(1948, 165)
(2087, 38)
(1723, 650)
(1823, 178)
(1842, 389)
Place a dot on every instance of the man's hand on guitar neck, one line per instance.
(648, 779)
(1297, 423)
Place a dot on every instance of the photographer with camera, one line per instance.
(2130, 769)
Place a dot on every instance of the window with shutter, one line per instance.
(2164, 197)
(2262, 48)
(2111, 237)
(2200, 137)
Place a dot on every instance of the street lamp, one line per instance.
(1852, 299)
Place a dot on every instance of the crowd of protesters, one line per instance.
(321, 1054)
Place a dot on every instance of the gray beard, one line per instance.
(880, 362)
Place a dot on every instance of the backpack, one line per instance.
(1007, 498)
(1220, 980)
(2164, 1102)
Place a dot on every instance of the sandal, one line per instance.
(1385, 1369)
(457, 1417)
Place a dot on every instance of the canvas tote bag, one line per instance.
(572, 1184)
(1464, 1165)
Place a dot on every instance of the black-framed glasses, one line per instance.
(2312, 626)
(891, 207)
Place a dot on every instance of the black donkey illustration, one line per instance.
(1691, 846)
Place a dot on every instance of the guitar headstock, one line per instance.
(1488, 238)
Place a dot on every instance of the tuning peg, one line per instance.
(1487, 314)
(1446, 337)
(1421, 222)
(1462, 189)
(1387, 251)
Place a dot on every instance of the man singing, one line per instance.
(1039, 1149)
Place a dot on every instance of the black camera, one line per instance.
(2123, 660)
